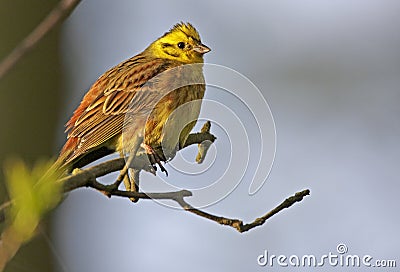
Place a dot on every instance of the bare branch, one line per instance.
(87, 177)
(61, 11)
(238, 224)
(80, 178)
(205, 145)
(178, 196)
(199, 137)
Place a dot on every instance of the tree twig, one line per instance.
(238, 224)
(61, 11)
(88, 178)
(80, 178)
(205, 145)
(179, 197)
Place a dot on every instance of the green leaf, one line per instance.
(33, 192)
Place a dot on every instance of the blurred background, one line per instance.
(330, 73)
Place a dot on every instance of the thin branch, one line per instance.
(88, 178)
(205, 145)
(178, 196)
(61, 11)
(199, 137)
(81, 177)
(238, 224)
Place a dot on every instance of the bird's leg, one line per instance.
(124, 172)
(132, 155)
(131, 182)
(155, 158)
(133, 179)
(127, 182)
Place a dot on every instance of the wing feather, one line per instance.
(100, 116)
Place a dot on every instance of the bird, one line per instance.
(135, 88)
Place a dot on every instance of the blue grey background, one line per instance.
(330, 71)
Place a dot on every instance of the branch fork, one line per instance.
(204, 139)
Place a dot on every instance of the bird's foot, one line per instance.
(155, 158)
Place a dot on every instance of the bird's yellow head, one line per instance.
(182, 43)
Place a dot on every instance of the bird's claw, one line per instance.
(155, 158)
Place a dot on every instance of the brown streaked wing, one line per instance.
(103, 119)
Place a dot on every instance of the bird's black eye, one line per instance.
(181, 45)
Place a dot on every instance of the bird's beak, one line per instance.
(201, 48)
